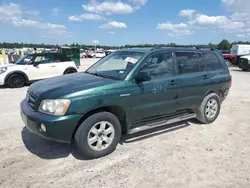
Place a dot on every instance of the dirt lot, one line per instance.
(183, 155)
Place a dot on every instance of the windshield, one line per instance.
(116, 65)
(24, 60)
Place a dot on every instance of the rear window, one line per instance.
(187, 62)
(60, 58)
(210, 62)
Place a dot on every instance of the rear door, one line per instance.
(213, 72)
(191, 85)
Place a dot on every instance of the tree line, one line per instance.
(223, 45)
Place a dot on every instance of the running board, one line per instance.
(161, 123)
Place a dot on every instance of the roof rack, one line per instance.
(177, 46)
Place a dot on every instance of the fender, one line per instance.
(16, 72)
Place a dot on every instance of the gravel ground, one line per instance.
(182, 155)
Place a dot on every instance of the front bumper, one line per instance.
(2, 77)
(58, 128)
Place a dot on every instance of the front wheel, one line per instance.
(209, 109)
(98, 135)
(16, 81)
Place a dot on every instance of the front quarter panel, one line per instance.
(111, 95)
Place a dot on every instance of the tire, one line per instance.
(86, 131)
(245, 70)
(16, 81)
(70, 71)
(207, 113)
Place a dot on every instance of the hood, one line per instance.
(9, 65)
(62, 85)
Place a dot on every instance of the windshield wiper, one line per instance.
(102, 75)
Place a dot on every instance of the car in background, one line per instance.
(83, 54)
(128, 91)
(244, 63)
(99, 54)
(230, 58)
(33, 67)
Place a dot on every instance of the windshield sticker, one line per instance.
(121, 72)
(131, 60)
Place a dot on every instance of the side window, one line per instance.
(57, 58)
(159, 65)
(211, 62)
(43, 59)
(201, 62)
(187, 62)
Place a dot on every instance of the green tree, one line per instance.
(224, 45)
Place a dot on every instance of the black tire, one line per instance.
(82, 134)
(202, 116)
(70, 71)
(16, 81)
(245, 70)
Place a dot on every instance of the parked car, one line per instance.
(244, 63)
(33, 67)
(239, 50)
(231, 59)
(83, 54)
(99, 54)
(129, 91)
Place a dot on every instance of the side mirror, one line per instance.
(142, 77)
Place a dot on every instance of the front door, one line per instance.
(42, 66)
(156, 98)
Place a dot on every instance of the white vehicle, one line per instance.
(83, 54)
(100, 54)
(240, 49)
(34, 67)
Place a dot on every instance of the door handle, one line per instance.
(53, 66)
(172, 82)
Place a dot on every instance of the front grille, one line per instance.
(32, 100)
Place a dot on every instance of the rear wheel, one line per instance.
(16, 81)
(69, 71)
(209, 109)
(98, 135)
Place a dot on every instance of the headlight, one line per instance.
(3, 69)
(57, 107)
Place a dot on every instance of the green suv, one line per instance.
(128, 91)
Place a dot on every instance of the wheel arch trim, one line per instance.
(16, 72)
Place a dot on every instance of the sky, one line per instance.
(120, 22)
